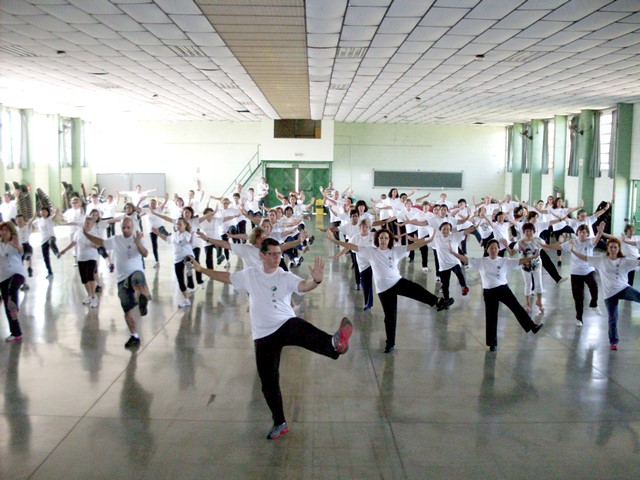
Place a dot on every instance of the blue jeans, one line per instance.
(628, 293)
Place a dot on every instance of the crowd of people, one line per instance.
(272, 240)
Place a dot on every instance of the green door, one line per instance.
(636, 214)
(311, 179)
(283, 179)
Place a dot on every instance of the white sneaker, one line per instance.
(156, 265)
(596, 310)
(191, 291)
(185, 304)
(227, 265)
(425, 269)
(438, 280)
(578, 323)
(86, 301)
(94, 302)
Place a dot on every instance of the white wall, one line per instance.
(477, 151)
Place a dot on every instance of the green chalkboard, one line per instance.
(418, 179)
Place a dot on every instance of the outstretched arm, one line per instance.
(350, 246)
(224, 277)
(317, 272)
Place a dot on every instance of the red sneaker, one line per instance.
(465, 291)
(342, 336)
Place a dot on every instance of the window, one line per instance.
(65, 142)
(10, 137)
(551, 144)
(302, 128)
(605, 138)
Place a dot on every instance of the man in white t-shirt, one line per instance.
(132, 285)
(274, 324)
(262, 190)
(8, 208)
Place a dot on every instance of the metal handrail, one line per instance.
(245, 173)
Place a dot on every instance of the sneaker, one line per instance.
(342, 336)
(58, 255)
(156, 265)
(277, 431)
(133, 342)
(24, 287)
(425, 269)
(143, 301)
(465, 291)
(559, 263)
(49, 276)
(357, 286)
(578, 323)
(86, 301)
(220, 259)
(13, 339)
(614, 346)
(227, 265)
(562, 280)
(291, 264)
(98, 288)
(596, 310)
(443, 304)
(94, 302)
(311, 239)
(201, 286)
(191, 291)
(299, 261)
(112, 267)
(536, 328)
(185, 303)
(30, 271)
(493, 348)
(438, 280)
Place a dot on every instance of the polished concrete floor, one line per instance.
(187, 405)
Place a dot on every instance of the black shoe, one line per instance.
(389, 349)
(133, 342)
(112, 267)
(537, 327)
(30, 271)
(493, 348)
(98, 288)
(443, 304)
(143, 301)
(220, 259)
(311, 239)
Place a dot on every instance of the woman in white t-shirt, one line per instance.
(613, 269)
(12, 277)
(581, 272)
(629, 246)
(47, 237)
(182, 256)
(529, 246)
(384, 258)
(493, 271)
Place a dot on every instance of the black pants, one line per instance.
(154, 245)
(445, 277)
(492, 299)
(179, 269)
(111, 228)
(424, 252)
(549, 266)
(366, 280)
(226, 250)
(389, 302)
(577, 289)
(208, 251)
(46, 246)
(196, 255)
(9, 289)
(356, 270)
(296, 332)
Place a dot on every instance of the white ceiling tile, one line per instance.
(494, 35)
(165, 31)
(119, 44)
(380, 52)
(409, 8)
(438, 53)
(120, 23)
(354, 44)
(543, 29)
(96, 6)
(517, 44)
(374, 62)
(388, 40)
(321, 40)
(78, 38)
(183, 7)
(320, 62)
(406, 58)
(325, 8)
(14, 38)
(192, 23)
(427, 34)
(364, 15)
(562, 38)
(68, 13)
(321, 52)
(31, 31)
(623, 41)
(613, 31)
(574, 10)
(206, 39)
(324, 25)
(622, 6)
(414, 47)
(470, 27)
(398, 25)
(158, 50)
(596, 21)
(19, 7)
(49, 23)
(443, 17)
(453, 41)
(141, 38)
(97, 30)
(145, 13)
(351, 33)
(494, 9)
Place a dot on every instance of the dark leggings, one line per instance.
(196, 254)
(179, 269)
(154, 245)
(226, 251)
(445, 277)
(356, 270)
(9, 289)
(296, 332)
(389, 302)
(46, 246)
(208, 251)
(549, 266)
(424, 252)
(366, 280)
(492, 299)
(577, 289)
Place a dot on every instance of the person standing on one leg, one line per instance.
(11, 277)
(493, 271)
(129, 250)
(274, 324)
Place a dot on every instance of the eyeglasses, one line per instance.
(273, 254)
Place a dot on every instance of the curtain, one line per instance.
(613, 146)
(509, 149)
(594, 165)
(24, 140)
(526, 148)
(545, 146)
(573, 147)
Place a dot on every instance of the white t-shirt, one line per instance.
(10, 262)
(269, 297)
(75, 215)
(24, 233)
(384, 264)
(249, 254)
(153, 221)
(613, 273)
(386, 213)
(262, 190)
(349, 230)
(9, 210)
(181, 242)
(501, 231)
(579, 266)
(630, 250)
(108, 209)
(45, 226)
(462, 214)
(405, 215)
(212, 228)
(86, 250)
(440, 244)
(358, 239)
(493, 273)
(196, 241)
(128, 258)
(589, 221)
